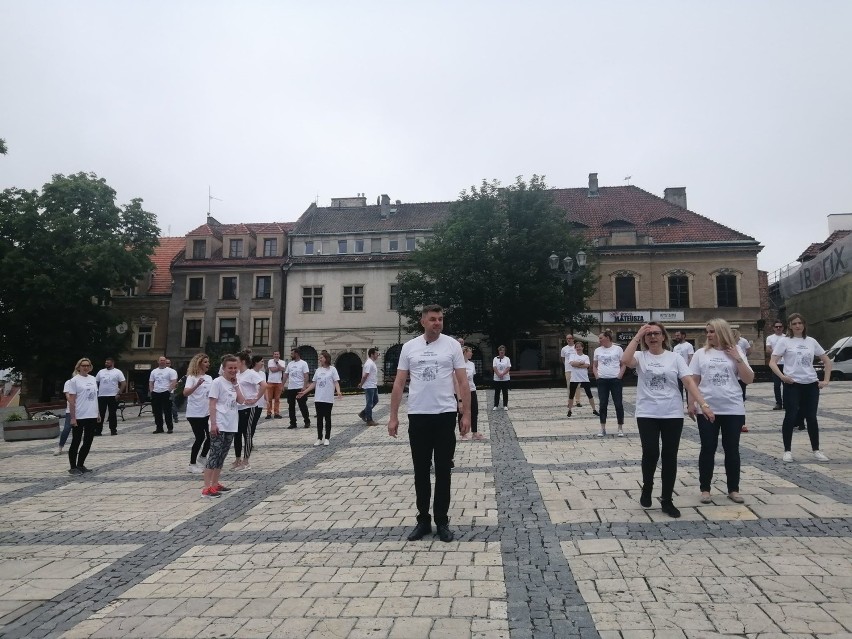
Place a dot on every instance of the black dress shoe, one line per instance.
(157, 432)
(444, 533)
(420, 531)
(645, 498)
(291, 426)
(669, 508)
(83, 469)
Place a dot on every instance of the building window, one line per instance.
(192, 335)
(196, 288)
(235, 248)
(359, 246)
(341, 247)
(410, 244)
(229, 288)
(726, 290)
(260, 332)
(263, 287)
(678, 291)
(625, 292)
(199, 249)
(227, 329)
(393, 303)
(311, 299)
(393, 245)
(144, 336)
(309, 248)
(270, 247)
(353, 298)
(376, 245)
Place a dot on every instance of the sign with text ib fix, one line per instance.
(829, 265)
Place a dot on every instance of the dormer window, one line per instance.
(614, 224)
(309, 247)
(199, 249)
(235, 248)
(270, 247)
(666, 221)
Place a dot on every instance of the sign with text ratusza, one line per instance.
(626, 317)
(832, 263)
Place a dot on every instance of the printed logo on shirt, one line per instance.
(656, 382)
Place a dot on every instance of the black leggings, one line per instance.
(651, 431)
(323, 417)
(84, 430)
(501, 386)
(587, 386)
(607, 386)
(201, 430)
(801, 401)
(730, 427)
(248, 418)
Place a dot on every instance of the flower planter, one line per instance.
(26, 429)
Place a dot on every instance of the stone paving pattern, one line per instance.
(550, 538)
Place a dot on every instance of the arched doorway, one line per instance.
(391, 359)
(349, 368)
(309, 354)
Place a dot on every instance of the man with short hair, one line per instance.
(771, 341)
(110, 382)
(295, 376)
(565, 357)
(432, 360)
(370, 383)
(275, 375)
(685, 350)
(161, 383)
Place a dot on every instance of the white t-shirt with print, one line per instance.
(372, 372)
(798, 357)
(609, 361)
(324, 379)
(579, 373)
(109, 381)
(431, 368)
(685, 350)
(657, 392)
(772, 341)
(501, 365)
(225, 394)
(198, 404)
(249, 381)
(567, 353)
(85, 390)
(163, 378)
(66, 389)
(297, 373)
(276, 377)
(719, 385)
(471, 371)
(743, 344)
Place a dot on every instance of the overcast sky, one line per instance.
(277, 104)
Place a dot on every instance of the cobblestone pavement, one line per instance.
(551, 540)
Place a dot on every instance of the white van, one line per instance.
(841, 359)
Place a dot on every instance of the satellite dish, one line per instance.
(121, 329)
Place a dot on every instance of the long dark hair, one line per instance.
(790, 318)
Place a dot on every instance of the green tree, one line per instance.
(487, 265)
(61, 252)
(3, 149)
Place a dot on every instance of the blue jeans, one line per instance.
(610, 386)
(66, 429)
(371, 398)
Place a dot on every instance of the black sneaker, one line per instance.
(596, 413)
(291, 426)
(420, 531)
(269, 416)
(307, 425)
(158, 432)
(83, 469)
(645, 499)
(113, 432)
(170, 431)
(75, 471)
(569, 413)
(778, 407)
(578, 404)
(444, 533)
(669, 508)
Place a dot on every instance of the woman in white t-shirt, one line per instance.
(470, 368)
(501, 366)
(801, 384)
(253, 385)
(659, 411)
(326, 384)
(578, 364)
(83, 406)
(196, 389)
(608, 369)
(719, 369)
(224, 395)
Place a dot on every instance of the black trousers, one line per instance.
(730, 427)
(431, 435)
(587, 386)
(610, 386)
(161, 406)
(83, 432)
(801, 401)
(108, 403)
(777, 384)
(201, 430)
(303, 406)
(323, 418)
(247, 419)
(651, 432)
(501, 387)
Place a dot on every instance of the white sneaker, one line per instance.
(202, 461)
(58, 451)
(819, 456)
(195, 468)
(318, 442)
(602, 434)
(325, 442)
(495, 408)
(621, 433)
(788, 456)
(505, 408)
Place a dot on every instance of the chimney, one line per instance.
(212, 221)
(593, 185)
(676, 195)
(385, 206)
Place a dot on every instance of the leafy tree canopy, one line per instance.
(3, 149)
(61, 251)
(487, 265)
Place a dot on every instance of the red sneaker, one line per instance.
(221, 489)
(209, 491)
(744, 429)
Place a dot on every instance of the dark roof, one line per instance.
(349, 258)
(361, 219)
(818, 247)
(643, 212)
(218, 230)
(164, 253)
(216, 260)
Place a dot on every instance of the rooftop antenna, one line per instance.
(210, 199)
(627, 179)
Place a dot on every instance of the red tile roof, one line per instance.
(401, 217)
(161, 277)
(214, 230)
(818, 247)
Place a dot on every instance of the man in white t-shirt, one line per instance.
(685, 350)
(161, 383)
(296, 376)
(432, 360)
(565, 356)
(111, 382)
(771, 342)
(370, 383)
(274, 381)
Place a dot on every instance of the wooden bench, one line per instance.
(131, 399)
(37, 408)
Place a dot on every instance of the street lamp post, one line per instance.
(564, 268)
